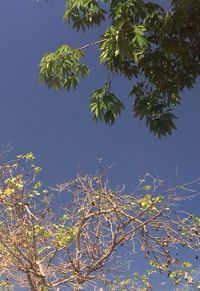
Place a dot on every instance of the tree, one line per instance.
(156, 49)
(79, 245)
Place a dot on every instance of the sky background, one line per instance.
(57, 126)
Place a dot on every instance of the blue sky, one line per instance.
(57, 126)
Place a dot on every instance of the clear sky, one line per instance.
(57, 126)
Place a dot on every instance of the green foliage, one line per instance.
(148, 202)
(62, 69)
(142, 42)
(105, 105)
(63, 235)
(27, 157)
(84, 13)
(182, 275)
(156, 110)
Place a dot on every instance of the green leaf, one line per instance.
(105, 105)
(62, 69)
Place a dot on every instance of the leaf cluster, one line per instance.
(105, 105)
(62, 69)
(143, 43)
(84, 13)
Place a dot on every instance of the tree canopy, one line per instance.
(93, 239)
(157, 50)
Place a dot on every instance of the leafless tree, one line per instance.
(80, 246)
